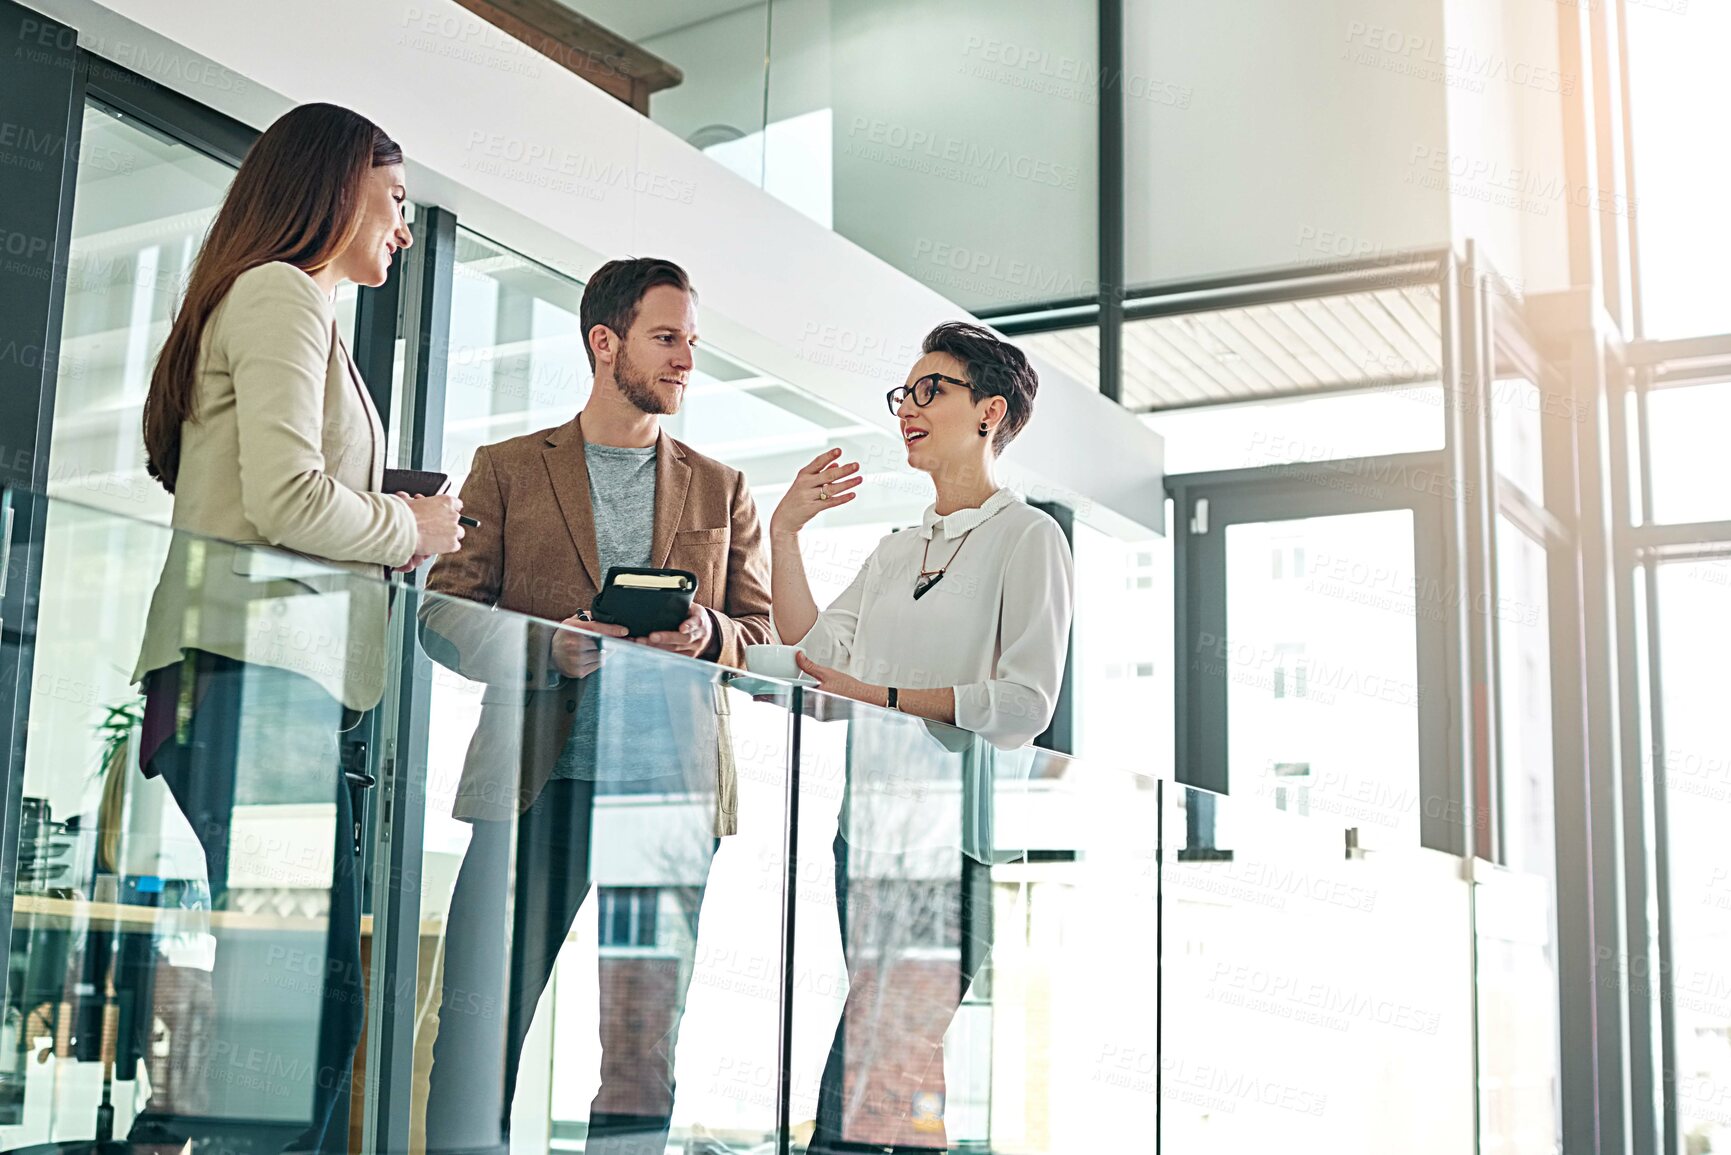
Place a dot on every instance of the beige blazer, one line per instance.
(287, 451)
(534, 553)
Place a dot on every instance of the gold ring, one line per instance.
(823, 492)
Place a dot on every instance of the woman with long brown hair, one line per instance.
(253, 658)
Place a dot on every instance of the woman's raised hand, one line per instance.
(823, 484)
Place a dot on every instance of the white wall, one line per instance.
(1266, 142)
(965, 143)
(1274, 134)
(1504, 162)
(539, 160)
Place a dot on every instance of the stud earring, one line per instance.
(983, 430)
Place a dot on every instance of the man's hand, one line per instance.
(691, 638)
(576, 655)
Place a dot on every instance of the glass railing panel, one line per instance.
(965, 917)
(1516, 983)
(187, 940)
(616, 820)
(592, 917)
(1318, 996)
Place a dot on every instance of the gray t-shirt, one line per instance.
(621, 730)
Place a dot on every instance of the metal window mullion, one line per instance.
(1602, 755)
(1060, 734)
(1479, 578)
(789, 924)
(1670, 1127)
(1110, 223)
(402, 764)
(1444, 826)
(1646, 1125)
(44, 96)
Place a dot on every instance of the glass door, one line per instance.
(1312, 610)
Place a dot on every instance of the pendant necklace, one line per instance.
(931, 577)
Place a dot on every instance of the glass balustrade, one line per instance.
(371, 853)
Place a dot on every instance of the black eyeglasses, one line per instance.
(924, 390)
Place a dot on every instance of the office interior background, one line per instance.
(1385, 361)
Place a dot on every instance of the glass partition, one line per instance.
(190, 958)
(682, 907)
(841, 109)
(187, 947)
(965, 916)
(595, 813)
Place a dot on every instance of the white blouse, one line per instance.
(997, 627)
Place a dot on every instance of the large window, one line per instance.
(1685, 428)
(1677, 79)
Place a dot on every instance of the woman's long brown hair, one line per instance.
(295, 198)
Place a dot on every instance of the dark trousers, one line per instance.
(248, 722)
(490, 991)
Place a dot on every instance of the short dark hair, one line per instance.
(612, 295)
(996, 368)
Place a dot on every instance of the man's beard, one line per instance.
(639, 388)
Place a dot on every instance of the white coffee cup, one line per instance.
(772, 661)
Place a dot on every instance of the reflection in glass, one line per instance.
(187, 905)
(991, 905)
(1321, 662)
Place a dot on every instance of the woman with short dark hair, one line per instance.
(965, 620)
(989, 661)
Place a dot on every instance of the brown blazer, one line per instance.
(534, 554)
